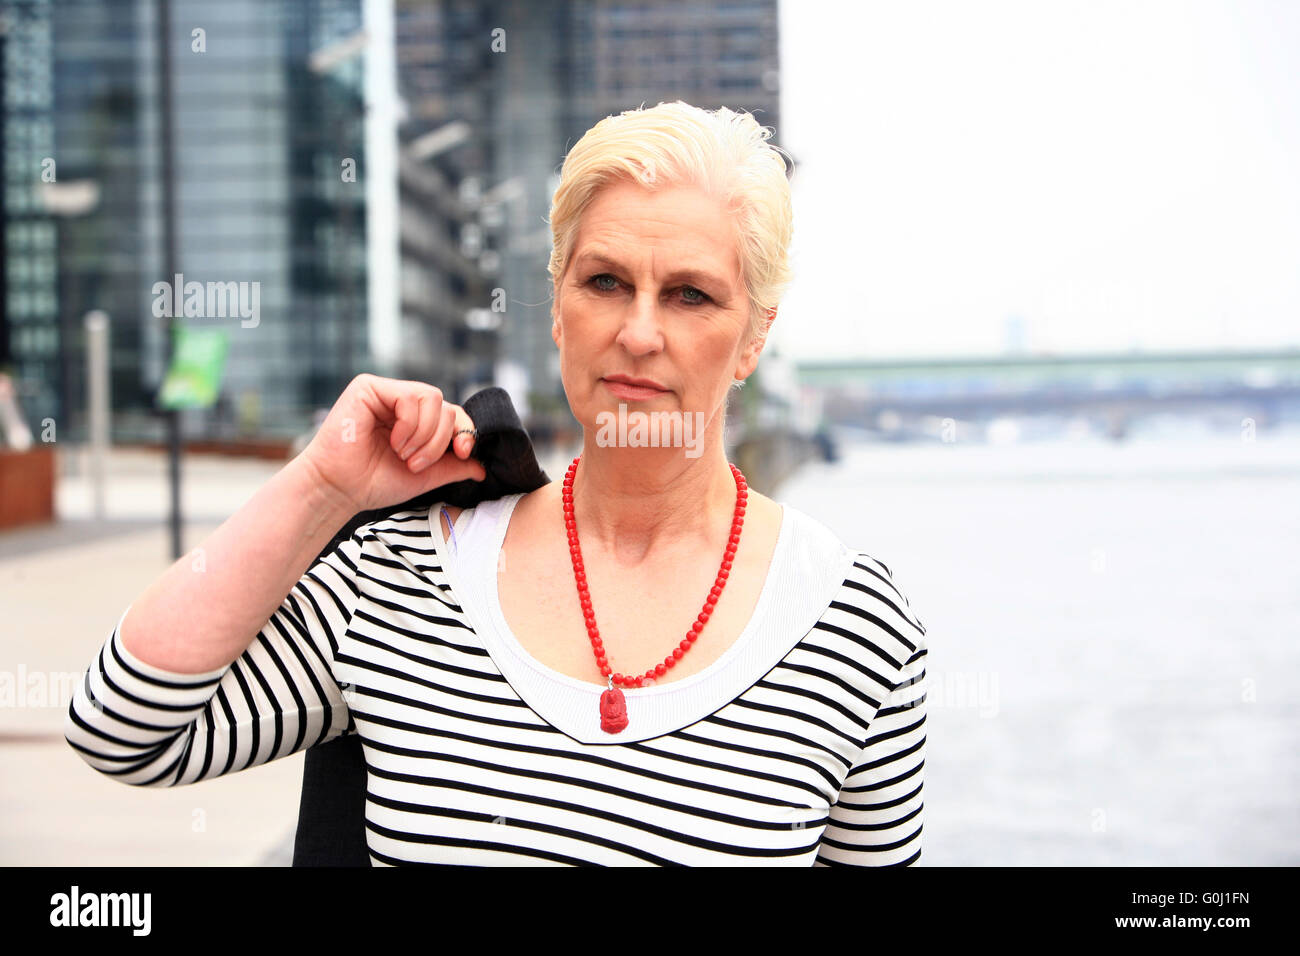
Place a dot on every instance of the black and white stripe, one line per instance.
(819, 762)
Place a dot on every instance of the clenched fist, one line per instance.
(388, 440)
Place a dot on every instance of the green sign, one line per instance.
(194, 377)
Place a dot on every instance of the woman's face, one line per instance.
(652, 291)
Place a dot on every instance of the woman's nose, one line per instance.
(641, 332)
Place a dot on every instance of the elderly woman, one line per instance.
(644, 663)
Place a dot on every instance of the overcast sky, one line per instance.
(1118, 174)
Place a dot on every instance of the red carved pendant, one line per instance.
(613, 711)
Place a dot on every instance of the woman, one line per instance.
(642, 663)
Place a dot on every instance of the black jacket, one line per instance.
(331, 814)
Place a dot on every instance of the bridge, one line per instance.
(1264, 385)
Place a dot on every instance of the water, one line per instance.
(1114, 633)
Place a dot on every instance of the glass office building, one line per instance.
(448, 214)
(417, 250)
(30, 334)
(260, 140)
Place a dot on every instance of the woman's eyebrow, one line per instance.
(598, 258)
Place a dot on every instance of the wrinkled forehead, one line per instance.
(667, 230)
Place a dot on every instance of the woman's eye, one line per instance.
(694, 295)
(596, 280)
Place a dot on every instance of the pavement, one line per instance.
(63, 586)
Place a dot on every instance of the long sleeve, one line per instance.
(877, 818)
(146, 726)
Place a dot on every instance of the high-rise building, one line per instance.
(404, 236)
(30, 333)
(448, 255)
(272, 188)
(268, 173)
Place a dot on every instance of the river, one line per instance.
(1114, 639)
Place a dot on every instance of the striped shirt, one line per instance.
(803, 744)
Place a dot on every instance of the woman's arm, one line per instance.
(877, 818)
(149, 726)
(227, 659)
(203, 611)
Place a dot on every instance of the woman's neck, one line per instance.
(628, 501)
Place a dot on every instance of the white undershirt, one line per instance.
(808, 566)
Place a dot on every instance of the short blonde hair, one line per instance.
(723, 152)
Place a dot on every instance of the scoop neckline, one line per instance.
(655, 690)
(572, 705)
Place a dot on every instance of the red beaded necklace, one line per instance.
(613, 709)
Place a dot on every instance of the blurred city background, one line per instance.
(1041, 356)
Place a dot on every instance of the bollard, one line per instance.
(97, 404)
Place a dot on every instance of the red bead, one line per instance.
(660, 669)
(715, 590)
(677, 653)
(710, 603)
(723, 573)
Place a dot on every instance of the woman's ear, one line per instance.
(749, 356)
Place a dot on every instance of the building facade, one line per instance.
(402, 232)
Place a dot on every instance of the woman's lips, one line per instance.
(632, 392)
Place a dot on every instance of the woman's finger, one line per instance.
(406, 419)
(430, 409)
(387, 394)
(436, 446)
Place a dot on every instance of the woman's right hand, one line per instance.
(386, 441)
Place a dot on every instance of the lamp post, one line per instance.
(167, 162)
